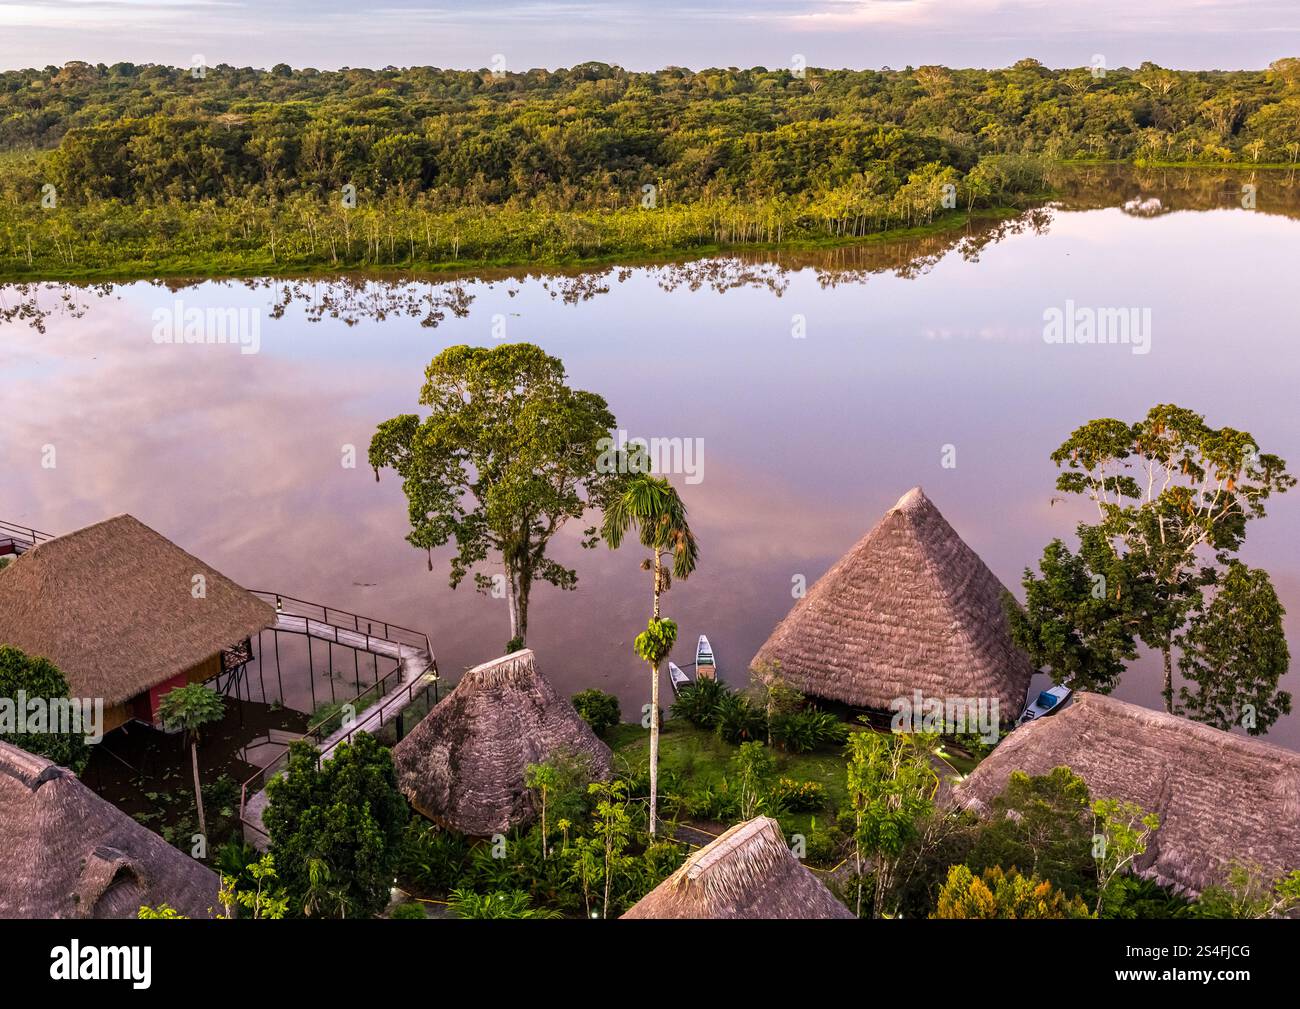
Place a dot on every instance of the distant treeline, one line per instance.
(595, 135)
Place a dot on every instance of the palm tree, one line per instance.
(652, 505)
(190, 708)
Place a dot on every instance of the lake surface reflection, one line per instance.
(906, 349)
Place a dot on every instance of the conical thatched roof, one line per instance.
(112, 605)
(1220, 796)
(463, 765)
(910, 607)
(66, 853)
(748, 872)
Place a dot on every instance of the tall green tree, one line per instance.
(190, 709)
(506, 457)
(1234, 654)
(346, 813)
(1173, 497)
(652, 505)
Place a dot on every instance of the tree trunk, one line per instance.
(198, 790)
(654, 715)
(654, 749)
(1169, 676)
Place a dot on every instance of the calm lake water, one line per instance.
(911, 351)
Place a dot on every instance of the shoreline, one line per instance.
(449, 269)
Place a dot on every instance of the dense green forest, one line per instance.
(136, 168)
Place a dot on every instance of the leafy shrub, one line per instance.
(411, 909)
(598, 709)
(431, 859)
(699, 702)
(739, 721)
(805, 730)
(825, 845)
(720, 804)
(798, 796)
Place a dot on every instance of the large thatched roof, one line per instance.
(112, 605)
(748, 872)
(66, 853)
(463, 765)
(910, 607)
(1220, 796)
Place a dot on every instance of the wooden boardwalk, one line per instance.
(416, 670)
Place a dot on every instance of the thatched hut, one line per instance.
(748, 872)
(463, 765)
(1221, 797)
(911, 607)
(126, 615)
(66, 853)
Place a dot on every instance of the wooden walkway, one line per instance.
(416, 670)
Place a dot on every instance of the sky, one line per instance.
(650, 34)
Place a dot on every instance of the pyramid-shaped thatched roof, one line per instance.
(748, 872)
(910, 607)
(1220, 796)
(112, 606)
(463, 765)
(67, 853)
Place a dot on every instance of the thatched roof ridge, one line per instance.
(909, 607)
(748, 872)
(112, 606)
(1221, 797)
(67, 853)
(463, 766)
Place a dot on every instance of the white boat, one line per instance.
(705, 667)
(677, 678)
(1047, 702)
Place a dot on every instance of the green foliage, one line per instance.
(162, 911)
(1131, 897)
(797, 796)
(698, 703)
(264, 898)
(511, 904)
(891, 785)
(347, 814)
(191, 707)
(1041, 825)
(739, 720)
(996, 893)
(753, 768)
(598, 709)
(1170, 492)
(1234, 653)
(1079, 617)
(37, 677)
(1250, 892)
(655, 643)
(507, 456)
(410, 910)
(807, 729)
(1121, 830)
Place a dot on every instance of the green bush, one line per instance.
(798, 796)
(805, 730)
(413, 909)
(698, 703)
(598, 709)
(739, 720)
(38, 677)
